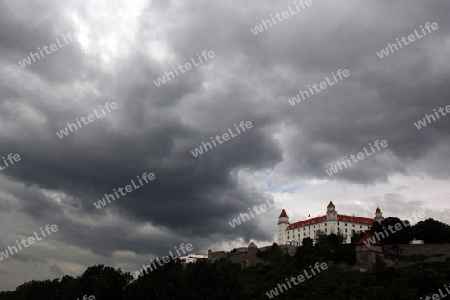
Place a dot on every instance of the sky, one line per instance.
(123, 47)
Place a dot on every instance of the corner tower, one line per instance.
(378, 215)
(283, 222)
(331, 212)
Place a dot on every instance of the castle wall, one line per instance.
(366, 257)
(420, 249)
(213, 256)
(246, 258)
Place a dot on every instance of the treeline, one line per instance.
(430, 231)
(225, 280)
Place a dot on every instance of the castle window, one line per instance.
(345, 229)
(338, 223)
(360, 226)
(353, 225)
(345, 224)
(325, 230)
(325, 224)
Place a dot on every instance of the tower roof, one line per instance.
(283, 214)
(331, 204)
(378, 210)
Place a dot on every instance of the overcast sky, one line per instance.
(123, 46)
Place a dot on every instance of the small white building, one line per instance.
(192, 258)
(416, 242)
(332, 222)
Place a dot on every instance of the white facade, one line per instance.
(332, 222)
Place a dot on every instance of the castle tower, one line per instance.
(331, 212)
(378, 215)
(283, 222)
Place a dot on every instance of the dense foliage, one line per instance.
(431, 231)
(224, 280)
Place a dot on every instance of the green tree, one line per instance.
(102, 282)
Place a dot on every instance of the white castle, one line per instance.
(332, 222)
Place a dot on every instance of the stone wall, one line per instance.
(246, 258)
(366, 257)
(429, 250)
(289, 249)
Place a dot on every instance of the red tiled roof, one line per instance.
(312, 221)
(307, 222)
(362, 220)
(331, 204)
(367, 237)
(283, 214)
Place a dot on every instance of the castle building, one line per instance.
(332, 222)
